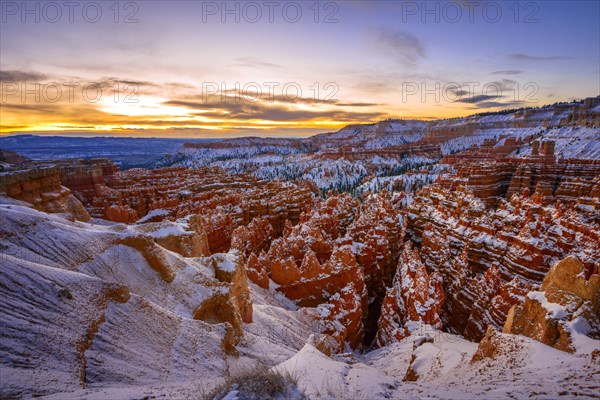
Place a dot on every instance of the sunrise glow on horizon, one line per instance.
(226, 69)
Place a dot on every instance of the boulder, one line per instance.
(565, 298)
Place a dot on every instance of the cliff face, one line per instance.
(339, 258)
(567, 181)
(223, 201)
(253, 240)
(490, 258)
(82, 176)
(497, 241)
(10, 160)
(492, 135)
(415, 298)
(494, 229)
(42, 188)
(185, 236)
(567, 305)
(379, 233)
(314, 264)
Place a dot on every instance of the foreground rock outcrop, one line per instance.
(67, 325)
(42, 188)
(567, 305)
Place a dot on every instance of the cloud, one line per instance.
(478, 99)
(358, 104)
(504, 84)
(496, 104)
(508, 72)
(42, 108)
(279, 98)
(135, 83)
(254, 62)
(268, 113)
(179, 85)
(527, 57)
(405, 46)
(492, 95)
(499, 89)
(244, 110)
(459, 92)
(21, 76)
(111, 82)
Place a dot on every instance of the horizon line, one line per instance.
(102, 134)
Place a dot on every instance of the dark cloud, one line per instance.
(13, 127)
(504, 84)
(459, 92)
(135, 83)
(508, 72)
(477, 99)
(111, 82)
(404, 45)
(179, 85)
(496, 104)
(275, 98)
(482, 93)
(527, 57)
(244, 110)
(291, 99)
(220, 110)
(21, 76)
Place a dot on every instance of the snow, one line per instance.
(233, 395)
(571, 142)
(56, 278)
(162, 229)
(154, 213)
(444, 370)
(227, 262)
(432, 360)
(317, 160)
(149, 346)
(582, 343)
(322, 377)
(555, 310)
(166, 230)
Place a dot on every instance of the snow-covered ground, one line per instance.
(444, 367)
(446, 371)
(572, 142)
(145, 343)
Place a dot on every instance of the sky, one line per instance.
(284, 68)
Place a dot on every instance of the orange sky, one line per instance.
(168, 69)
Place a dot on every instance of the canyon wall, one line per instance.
(42, 188)
(483, 254)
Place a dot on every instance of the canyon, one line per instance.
(393, 258)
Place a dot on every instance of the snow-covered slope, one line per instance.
(446, 369)
(572, 142)
(79, 311)
(83, 317)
